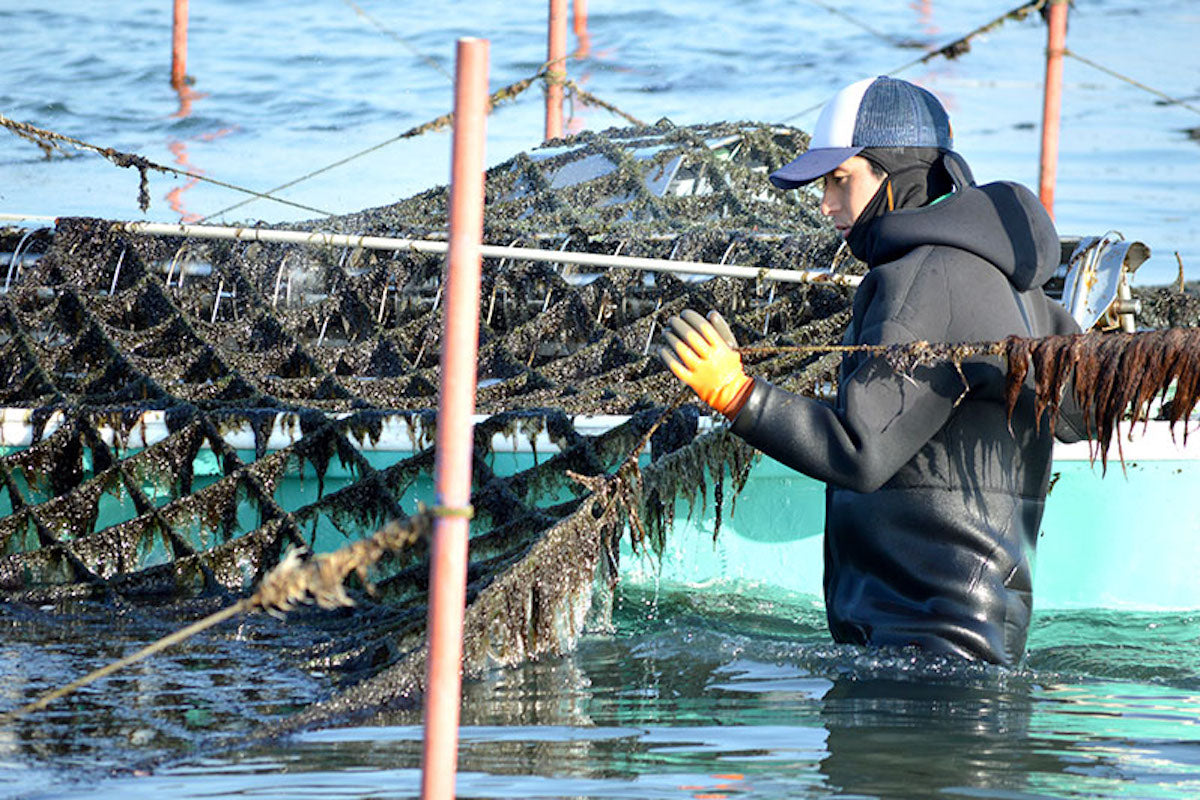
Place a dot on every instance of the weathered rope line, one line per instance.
(296, 580)
(384, 29)
(592, 100)
(1131, 81)
(505, 94)
(955, 48)
(837, 12)
(1109, 375)
(46, 138)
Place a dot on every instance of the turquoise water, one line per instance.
(282, 88)
(692, 695)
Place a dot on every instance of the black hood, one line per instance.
(1003, 223)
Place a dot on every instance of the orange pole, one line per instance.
(584, 39)
(456, 403)
(1052, 107)
(580, 18)
(179, 45)
(556, 68)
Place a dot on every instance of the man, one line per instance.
(934, 495)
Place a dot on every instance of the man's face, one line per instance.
(848, 189)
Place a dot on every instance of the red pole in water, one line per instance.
(581, 32)
(456, 403)
(556, 68)
(1051, 109)
(179, 44)
(580, 18)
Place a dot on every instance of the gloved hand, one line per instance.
(700, 353)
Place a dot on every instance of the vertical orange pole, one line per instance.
(179, 44)
(556, 69)
(579, 17)
(1052, 107)
(456, 403)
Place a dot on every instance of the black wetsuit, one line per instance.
(934, 498)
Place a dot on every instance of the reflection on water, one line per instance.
(694, 696)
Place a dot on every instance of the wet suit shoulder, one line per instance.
(926, 468)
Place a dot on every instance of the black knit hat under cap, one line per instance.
(915, 177)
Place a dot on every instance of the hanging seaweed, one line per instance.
(196, 410)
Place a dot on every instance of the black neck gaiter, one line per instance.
(915, 176)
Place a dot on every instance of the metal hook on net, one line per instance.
(112, 289)
(14, 265)
(496, 283)
(279, 279)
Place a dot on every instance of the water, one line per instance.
(282, 88)
(705, 695)
(692, 695)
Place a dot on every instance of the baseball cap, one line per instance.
(876, 112)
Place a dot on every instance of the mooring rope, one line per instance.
(503, 95)
(294, 581)
(384, 29)
(592, 100)
(506, 94)
(47, 139)
(1112, 374)
(1131, 81)
(855, 21)
(952, 50)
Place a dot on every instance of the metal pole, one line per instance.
(556, 68)
(319, 239)
(456, 404)
(1052, 107)
(179, 45)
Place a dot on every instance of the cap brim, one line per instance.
(811, 165)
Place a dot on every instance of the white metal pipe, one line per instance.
(23, 217)
(319, 238)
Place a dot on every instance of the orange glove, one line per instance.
(700, 353)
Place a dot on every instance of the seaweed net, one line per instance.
(179, 413)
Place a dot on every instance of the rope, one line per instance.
(295, 580)
(389, 32)
(1132, 82)
(954, 49)
(48, 140)
(506, 94)
(878, 34)
(592, 100)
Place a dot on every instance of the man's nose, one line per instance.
(827, 204)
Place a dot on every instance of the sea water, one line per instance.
(730, 692)
(727, 693)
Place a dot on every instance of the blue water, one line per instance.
(284, 87)
(689, 695)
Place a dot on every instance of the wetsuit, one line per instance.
(934, 497)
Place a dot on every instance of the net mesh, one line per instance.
(178, 413)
